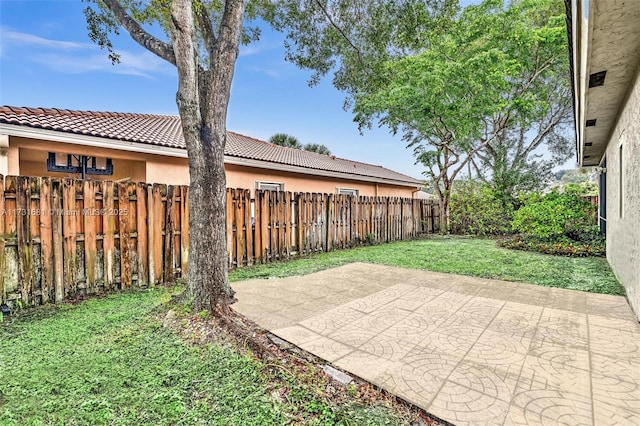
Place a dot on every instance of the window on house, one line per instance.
(602, 199)
(621, 192)
(347, 191)
(269, 186)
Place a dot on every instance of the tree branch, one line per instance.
(188, 77)
(142, 37)
(334, 25)
(206, 26)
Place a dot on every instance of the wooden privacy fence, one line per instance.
(64, 238)
(278, 225)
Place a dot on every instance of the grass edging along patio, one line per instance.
(121, 359)
(478, 257)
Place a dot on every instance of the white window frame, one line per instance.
(347, 191)
(264, 185)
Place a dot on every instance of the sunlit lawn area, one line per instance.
(459, 255)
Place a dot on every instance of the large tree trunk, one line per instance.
(203, 99)
(444, 212)
(204, 88)
(207, 281)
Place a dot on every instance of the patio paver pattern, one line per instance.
(468, 350)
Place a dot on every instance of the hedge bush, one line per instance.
(559, 222)
(559, 248)
(475, 210)
(551, 216)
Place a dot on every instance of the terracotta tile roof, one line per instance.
(165, 130)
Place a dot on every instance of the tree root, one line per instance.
(282, 361)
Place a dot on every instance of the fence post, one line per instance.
(287, 223)
(158, 223)
(3, 295)
(299, 223)
(184, 232)
(169, 234)
(265, 217)
(331, 223)
(257, 230)
(246, 200)
(46, 254)
(108, 234)
(123, 233)
(229, 225)
(69, 235)
(25, 278)
(88, 211)
(57, 240)
(142, 234)
(241, 241)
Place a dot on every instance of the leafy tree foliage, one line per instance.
(282, 139)
(511, 161)
(353, 40)
(457, 84)
(584, 174)
(316, 147)
(476, 210)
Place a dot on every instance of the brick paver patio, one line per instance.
(468, 350)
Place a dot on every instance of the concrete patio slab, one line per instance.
(468, 350)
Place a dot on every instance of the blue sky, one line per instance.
(47, 60)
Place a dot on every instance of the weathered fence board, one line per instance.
(3, 236)
(66, 238)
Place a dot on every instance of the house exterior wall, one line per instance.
(623, 198)
(246, 177)
(28, 157)
(162, 169)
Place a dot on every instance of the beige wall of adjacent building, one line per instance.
(248, 177)
(28, 157)
(623, 198)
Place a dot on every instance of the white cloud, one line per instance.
(72, 57)
(271, 72)
(259, 47)
(18, 38)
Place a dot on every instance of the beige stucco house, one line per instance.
(150, 148)
(605, 58)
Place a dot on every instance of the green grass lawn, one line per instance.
(459, 255)
(109, 361)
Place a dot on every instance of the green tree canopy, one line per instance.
(316, 147)
(454, 83)
(282, 139)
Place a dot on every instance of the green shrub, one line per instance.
(560, 223)
(555, 216)
(560, 248)
(475, 210)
